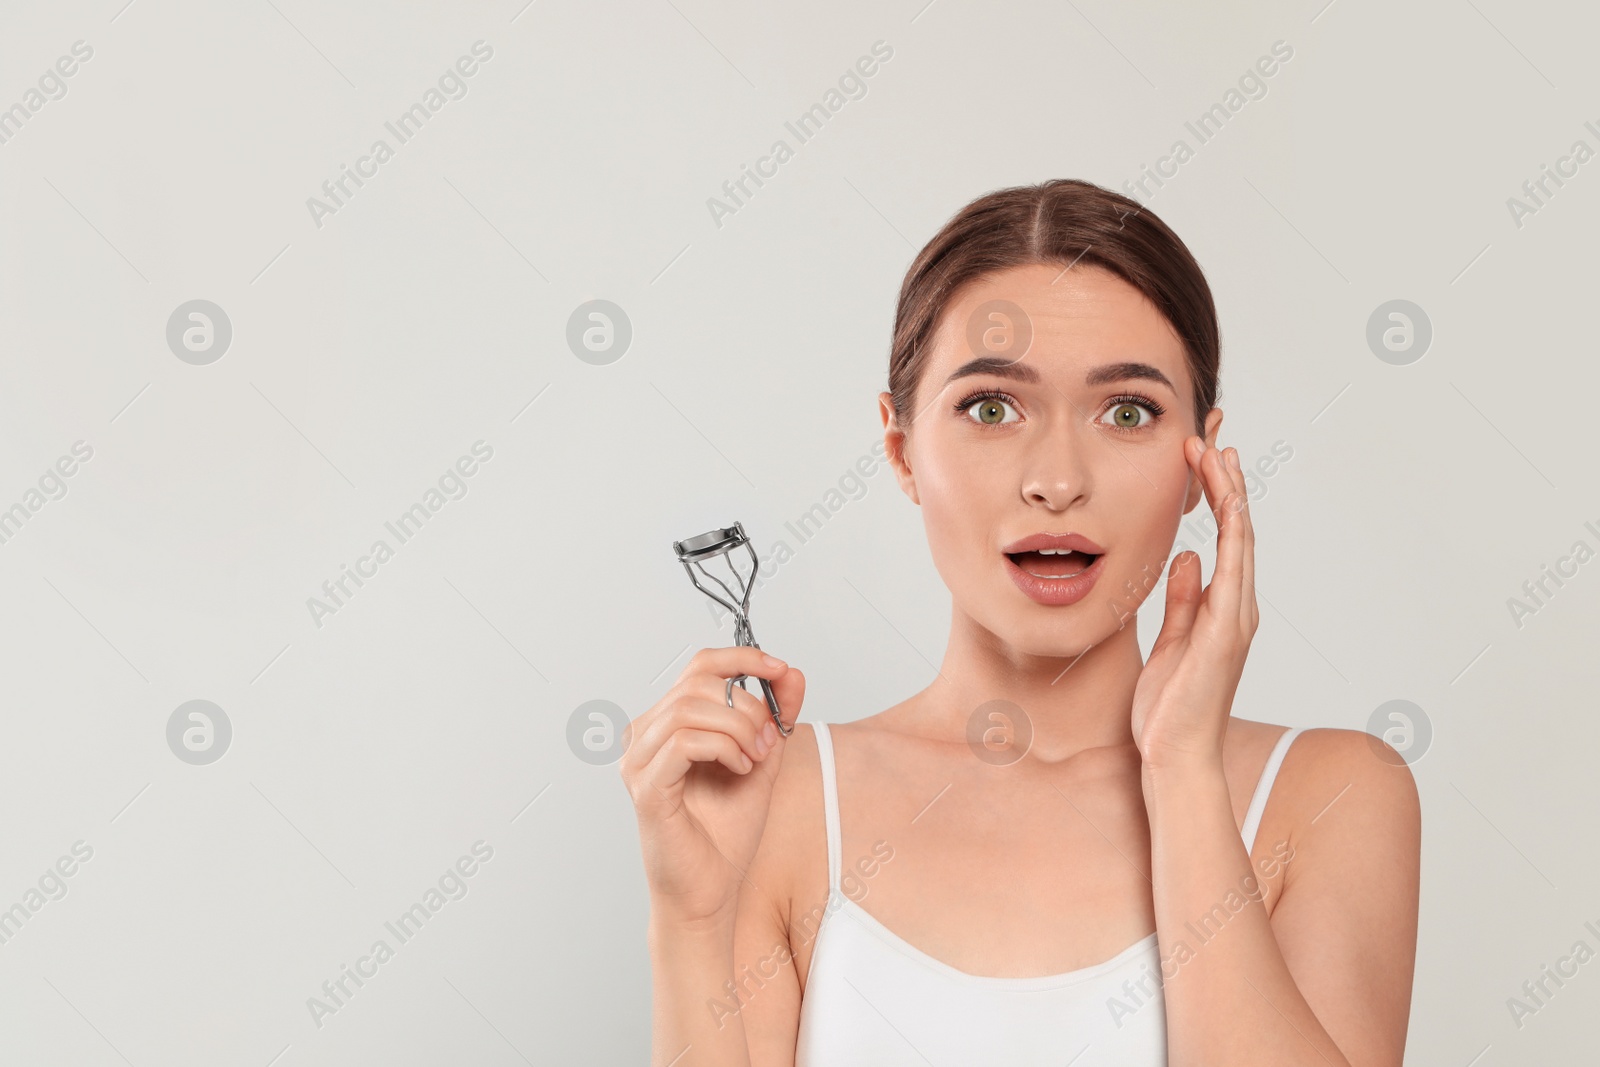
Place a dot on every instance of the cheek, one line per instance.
(961, 491)
(952, 475)
(1151, 503)
(1148, 506)
(1170, 478)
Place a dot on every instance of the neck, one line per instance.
(1072, 703)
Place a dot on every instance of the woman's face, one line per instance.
(1053, 402)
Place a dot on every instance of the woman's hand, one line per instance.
(1184, 694)
(701, 773)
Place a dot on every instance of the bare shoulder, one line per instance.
(791, 839)
(1323, 763)
(1332, 768)
(1342, 795)
(1346, 917)
(792, 855)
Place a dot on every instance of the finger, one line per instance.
(1222, 595)
(752, 706)
(1213, 476)
(683, 750)
(1183, 600)
(734, 660)
(695, 712)
(1229, 593)
(790, 691)
(1247, 597)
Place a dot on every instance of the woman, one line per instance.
(1057, 852)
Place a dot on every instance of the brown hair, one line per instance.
(1063, 221)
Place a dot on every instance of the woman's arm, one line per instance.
(1328, 980)
(688, 964)
(729, 993)
(701, 776)
(1325, 981)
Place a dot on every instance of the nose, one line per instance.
(1054, 474)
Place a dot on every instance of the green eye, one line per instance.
(991, 411)
(987, 406)
(1127, 416)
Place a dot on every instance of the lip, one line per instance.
(1055, 592)
(1074, 541)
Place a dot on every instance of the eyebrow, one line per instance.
(1025, 372)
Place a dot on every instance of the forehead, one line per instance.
(1070, 320)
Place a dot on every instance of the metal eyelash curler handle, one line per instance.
(692, 552)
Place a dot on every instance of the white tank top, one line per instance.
(871, 998)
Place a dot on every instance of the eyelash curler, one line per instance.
(720, 544)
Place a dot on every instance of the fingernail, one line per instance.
(769, 734)
(773, 661)
(1233, 458)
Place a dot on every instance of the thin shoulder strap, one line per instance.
(830, 800)
(1269, 774)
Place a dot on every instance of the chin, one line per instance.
(1052, 632)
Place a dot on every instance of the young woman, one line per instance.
(1058, 852)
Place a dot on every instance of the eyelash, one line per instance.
(1138, 399)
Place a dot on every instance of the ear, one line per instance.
(894, 446)
(1197, 491)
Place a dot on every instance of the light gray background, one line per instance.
(430, 312)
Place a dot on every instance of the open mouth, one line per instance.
(1052, 562)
